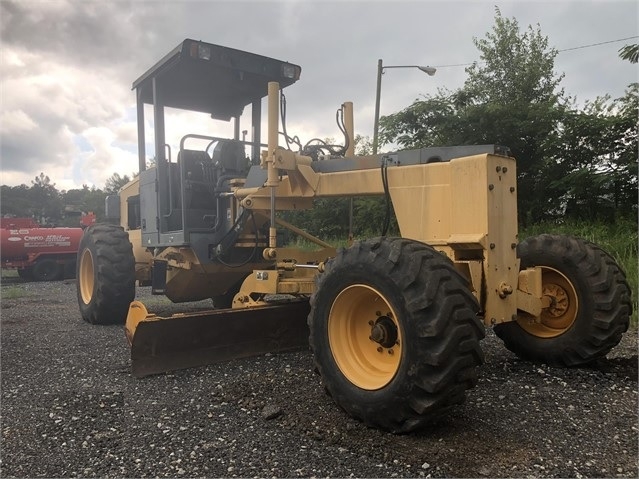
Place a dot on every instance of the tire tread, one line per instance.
(611, 301)
(114, 265)
(448, 329)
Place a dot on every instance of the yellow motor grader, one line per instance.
(394, 323)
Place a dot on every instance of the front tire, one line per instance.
(394, 333)
(590, 303)
(105, 274)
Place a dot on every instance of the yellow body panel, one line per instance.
(142, 257)
(466, 208)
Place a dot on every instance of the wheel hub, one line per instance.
(384, 332)
(559, 301)
(562, 310)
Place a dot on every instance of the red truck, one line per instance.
(38, 253)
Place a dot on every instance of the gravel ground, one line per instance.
(70, 408)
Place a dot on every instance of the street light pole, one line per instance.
(380, 70)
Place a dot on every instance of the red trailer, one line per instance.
(42, 254)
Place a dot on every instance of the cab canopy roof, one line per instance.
(212, 79)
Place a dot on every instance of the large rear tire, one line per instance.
(105, 274)
(590, 303)
(395, 334)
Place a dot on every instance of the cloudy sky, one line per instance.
(67, 66)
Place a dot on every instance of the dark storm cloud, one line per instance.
(94, 34)
(67, 67)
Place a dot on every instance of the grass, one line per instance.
(305, 245)
(13, 292)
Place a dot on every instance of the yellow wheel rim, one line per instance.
(365, 337)
(85, 278)
(562, 311)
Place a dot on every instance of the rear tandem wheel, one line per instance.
(105, 274)
(590, 303)
(395, 334)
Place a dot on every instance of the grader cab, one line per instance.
(394, 323)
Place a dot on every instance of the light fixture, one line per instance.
(380, 69)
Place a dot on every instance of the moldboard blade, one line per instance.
(194, 339)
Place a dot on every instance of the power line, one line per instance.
(558, 51)
(597, 44)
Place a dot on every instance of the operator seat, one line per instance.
(231, 157)
(199, 178)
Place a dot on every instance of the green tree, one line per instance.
(86, 200)
(594, 172)
(114, 183)
(15, 201)
(511, 97)
(46, 202)
(516, 101)
(363, 145)
(630, 53)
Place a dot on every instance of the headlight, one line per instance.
(203, 52)
(290, 71)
